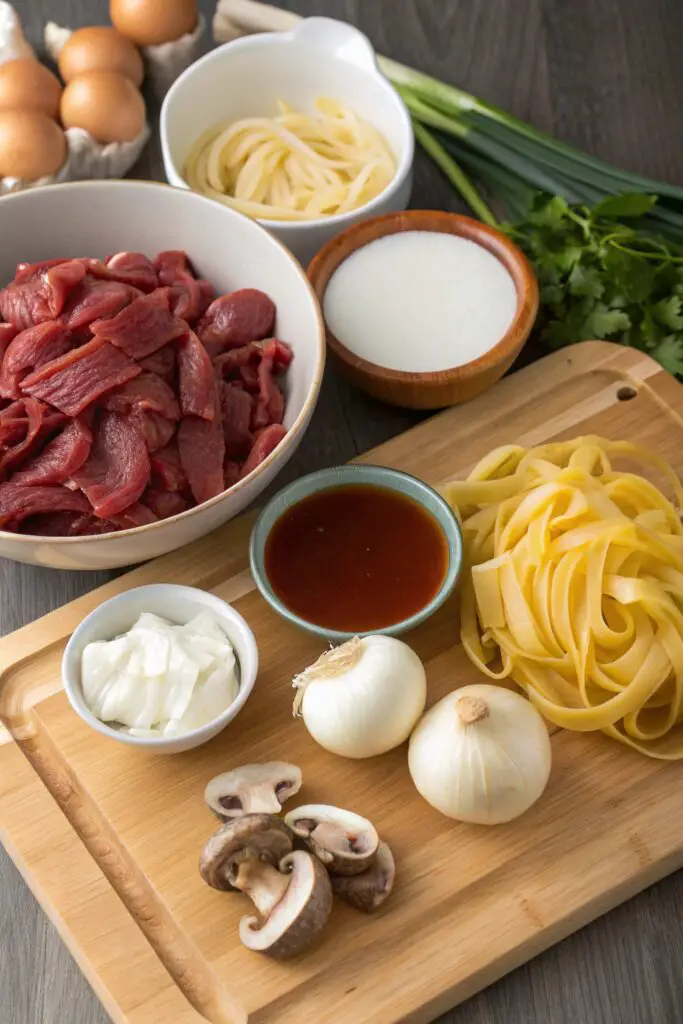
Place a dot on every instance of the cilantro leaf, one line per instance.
(585, 281)
(668, 312)
(630, 204)
(550, 213)
(601, 322)
(601, 277)
(669, 352)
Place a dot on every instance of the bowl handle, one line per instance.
(339, 39)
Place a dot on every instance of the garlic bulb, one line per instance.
(482, 754)
(363, 698)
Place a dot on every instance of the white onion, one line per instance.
(363, 698)
(482, 754)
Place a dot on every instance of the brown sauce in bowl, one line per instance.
(356, 558)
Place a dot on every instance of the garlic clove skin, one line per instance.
(481, 755)
(367, 704)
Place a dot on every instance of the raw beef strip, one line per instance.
(17, 501)
(147, 392)
(236, 319)
(229, 364)
(165, 503)
(135, 515)
(141, 328)
(266, 442)
(60, 458)
(39, 293)
(29, 435)
(236, 412)
(156, 429)
(196, 379)
(232, 471)
(27, 271)
(161, 297)
(132, 268)
(7, 332)
(167, 471)
(172, 264)
(95, 299)
(270, 406)
(202, 450)
(162, 362)
(14, 421)
(68, 524)
(30, 349)
(117, 471)
(57, 524)
(152, 406)
(76, 379)
(190, 298)
(279, 352)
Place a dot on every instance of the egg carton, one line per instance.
(87, 158)
(163, 63)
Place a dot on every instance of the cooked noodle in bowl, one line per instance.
(294, 166)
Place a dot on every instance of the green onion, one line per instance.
(495, 145)
(455, 175)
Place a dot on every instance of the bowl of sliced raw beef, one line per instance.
(160, 359)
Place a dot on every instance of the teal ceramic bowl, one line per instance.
(339, 476)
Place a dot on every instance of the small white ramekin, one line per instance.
(245, 78)
(177, 604)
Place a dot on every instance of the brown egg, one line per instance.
(150, 22)
(26, 84)
(32, 145)
(100, 48)
(106, 104)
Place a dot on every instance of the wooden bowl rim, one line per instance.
(339, 248)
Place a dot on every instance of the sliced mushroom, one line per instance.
(253, 789)
(345, 842)
(368, 891)
(266, 839)
(293, 921)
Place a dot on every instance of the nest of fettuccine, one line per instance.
(574, 586)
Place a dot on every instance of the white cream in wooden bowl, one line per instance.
(420, 301)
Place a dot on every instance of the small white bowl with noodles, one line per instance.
(299, 130)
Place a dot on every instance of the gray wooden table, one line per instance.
(608, 76)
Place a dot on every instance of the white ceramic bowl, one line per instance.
(245, 78)
(178, 605)
(96, 218)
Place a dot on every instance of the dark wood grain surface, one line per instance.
(606, 75)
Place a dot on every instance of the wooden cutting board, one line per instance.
(108, 839)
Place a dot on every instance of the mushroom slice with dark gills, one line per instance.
(345, 842)
(291, 891)
(266, 838)
(369, 890)
(253, 789)
(292, 922)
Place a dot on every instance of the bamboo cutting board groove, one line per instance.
(108, 838)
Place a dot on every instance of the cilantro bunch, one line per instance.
(602, 275)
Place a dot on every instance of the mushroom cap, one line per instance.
(300, 916)
(345, 842)
(368, 891)
(268, 838)
(253, 789)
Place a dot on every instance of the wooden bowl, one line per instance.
(432, 390)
